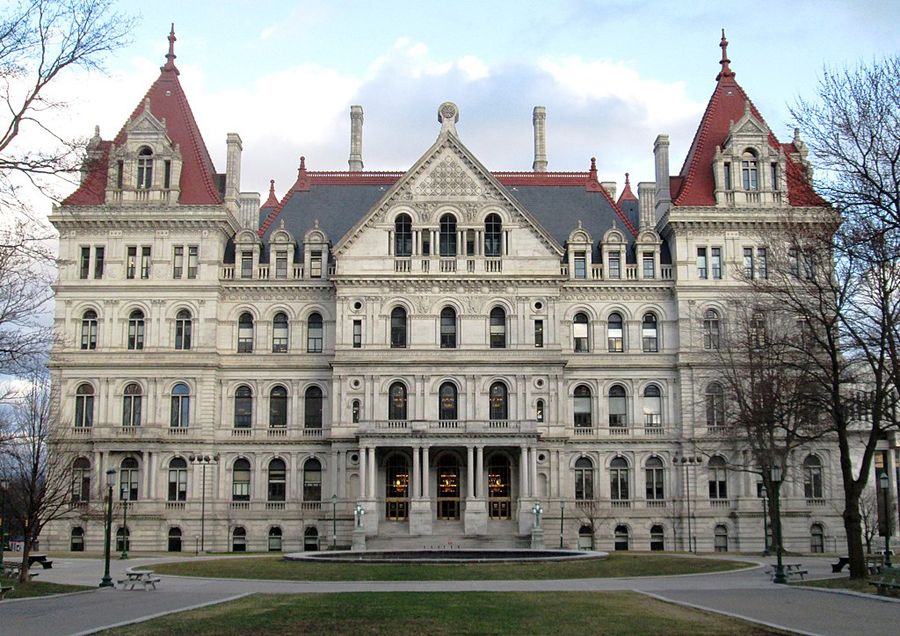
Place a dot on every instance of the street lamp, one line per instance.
(333, 522)
(776, 524)
(765, 512)
(203, 461)
(106, 581)
(126, 535)
(562, 521)
(885, 484)
(687, 477)
(537, 511)
(4, 484)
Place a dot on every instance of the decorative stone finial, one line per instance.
(593, 173)
(281, 225)
(97, 131)
(271, 186)
(579, 224)
(302, 168)
(316, 224)
(170, 56)
(627, 181)
(448, 115)
(726, 70)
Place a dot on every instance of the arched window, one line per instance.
(277, 480)
(721, 538)
(180, 413)
(177, 479)
(539, 410)
(618, 413)
(447, 409)
(316, 335)
(123, 539)
(580, 333)
(498, 402)
(174, 539)
(493, 228)
(76, 539)
(448, 328)
(245, 333)
(311, 539)
(145, 168)
(131, 405)
(615, 336)
(585, 537)
(817, 538)
(498, 328)
(583, 407)
(584, 479)
(718, 478)
(655, 479)
(448, 235)
(243, 407)
(89, 330)
(618, 479)
(652, 406)
(749, 171)
(398, 328)
(128, 479)
(280, 333)
(812, 478)
(275, 539)
(240, 480)
(621, 538)
(312, 411)
(278, 407)
(84, 406)
(715, 405)
(184, 327)
(657, 538)
(649, 333)
(239, 539)
(355, 409)
(403, 235)
(81, 480)
(711, 329)
(312, 480)
(136, 330)
(397, 402)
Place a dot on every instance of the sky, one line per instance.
(612, 75)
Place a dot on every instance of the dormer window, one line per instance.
(492, 230)
(145, 168)
(403, 235)
(773, 175)
(749, 171)
(728, 185)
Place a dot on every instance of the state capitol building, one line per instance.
(440, 348)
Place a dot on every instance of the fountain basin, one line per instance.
(463, 555)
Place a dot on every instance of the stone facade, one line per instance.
(442, 348)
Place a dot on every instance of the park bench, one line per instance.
(842, 561)
(39, 558)
(888, 581)
(143, 578)
(4, 589)
(874, 563)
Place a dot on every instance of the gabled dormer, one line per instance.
(282, 248)
(315, 253)
(613, 247)
(578, 252)
(247, 252)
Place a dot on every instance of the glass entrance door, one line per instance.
(499, 492)
(396, 496)
(448, 488)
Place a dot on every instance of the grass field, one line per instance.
(843, 583)
(38, 588)
(437, 614)
(616, 565)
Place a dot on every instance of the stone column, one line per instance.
(415, 486)
(479, 474)
(532, 481)
(363, 489)
(470, 472)
(372, 472)
(425, 473)
(523, 472)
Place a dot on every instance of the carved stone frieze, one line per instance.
(448, 179)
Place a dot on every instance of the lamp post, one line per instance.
(885, 484)
(537, 511)
(689, 461)
(126, 535)
(4, 484)
(765, 512)
(360, 511)
(776, 524)
(203, 461)
(106, 581)
(333, 522)
(562, 521)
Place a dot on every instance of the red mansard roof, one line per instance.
(167, 101)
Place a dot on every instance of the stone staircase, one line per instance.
(446, 536)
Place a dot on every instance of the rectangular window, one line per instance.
(193, 256)
(281, 265)
(794, 262)
(145, 261)
(85, 268)
(167, 174)
(728, 176)
(120, 171)
(716, 258)
(470, 242)
(809, 265)
(426, 244)
(246, 264)
(615, 265)
(762, 263)
(357, 334)
(649, 263)
(178, 261)
(748, 263)
(130, 261)
(580, 265)
(538, 334)
(99, 255)
(315, 265)
(702, 271)
(773, 174)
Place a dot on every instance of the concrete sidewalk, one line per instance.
(747, 594)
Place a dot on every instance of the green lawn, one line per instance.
(438, 613)
(36, 587)
(843, 583)
(616, 565)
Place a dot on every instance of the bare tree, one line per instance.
(868, 511)
(40, 477)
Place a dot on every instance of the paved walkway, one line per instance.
(747, 593)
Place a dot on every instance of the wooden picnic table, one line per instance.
(143, 578)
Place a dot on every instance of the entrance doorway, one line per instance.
(448, 487)
(396, 495)
(499, 490)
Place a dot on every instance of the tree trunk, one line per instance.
(853, 529)
(24, 570)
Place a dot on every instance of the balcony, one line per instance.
(448, 426)
(82, 431)
(720, 503)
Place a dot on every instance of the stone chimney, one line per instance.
(661, 157)
(610, 186)
(539, 119)
(356, 125)
(647, 205)
(248, 216)
(233, 168)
